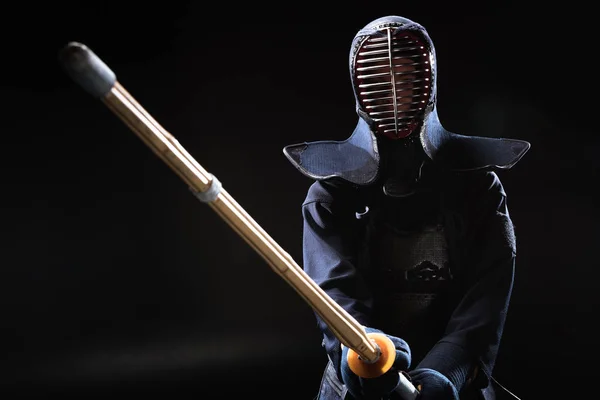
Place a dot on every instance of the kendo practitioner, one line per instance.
(406, 225)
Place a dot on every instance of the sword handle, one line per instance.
(406, 389)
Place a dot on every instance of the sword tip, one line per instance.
(87, 69)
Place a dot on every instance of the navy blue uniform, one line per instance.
(449, 301)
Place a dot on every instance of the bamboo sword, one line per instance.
(370, 354)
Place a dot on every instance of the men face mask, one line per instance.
(392, 76)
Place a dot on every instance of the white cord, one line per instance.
(508, 391)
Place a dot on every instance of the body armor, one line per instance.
(407, 260)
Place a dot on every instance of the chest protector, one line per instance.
(409, 270)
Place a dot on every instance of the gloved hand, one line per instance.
(376, 387)
(433, 385)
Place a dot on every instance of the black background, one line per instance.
(116, 280)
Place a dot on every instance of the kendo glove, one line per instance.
(433, 385)
(366, 388)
